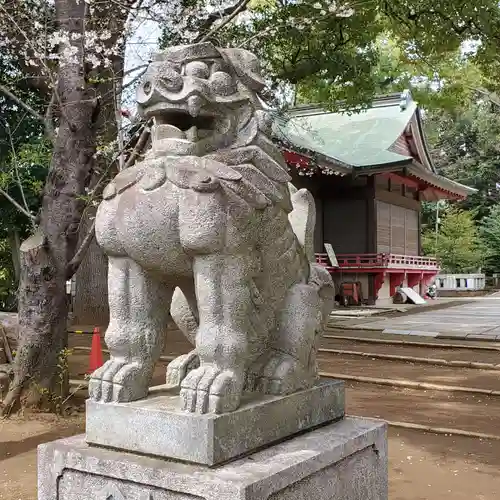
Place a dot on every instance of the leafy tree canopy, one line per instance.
(457, 244)
(343, 50)
(22, 177)
(490, 231)
(465, 146)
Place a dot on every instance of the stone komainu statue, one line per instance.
(208, 227)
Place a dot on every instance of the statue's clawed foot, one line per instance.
(209, 389)
(119, 381)
(284, 374)
(178, 369)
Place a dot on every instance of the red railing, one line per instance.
(379, 261)
(413, 261)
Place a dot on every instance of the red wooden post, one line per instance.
(378, 282)
(396, 279)
(414, 279)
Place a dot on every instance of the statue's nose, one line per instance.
(195, 103)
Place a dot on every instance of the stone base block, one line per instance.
(157, 426)
(346, 460)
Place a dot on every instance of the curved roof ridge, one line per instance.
(359, 139)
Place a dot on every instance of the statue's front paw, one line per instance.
(178, 369)
(209, 389)
(119, 381)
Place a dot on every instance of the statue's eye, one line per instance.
(198, 69)
(171, 79)
(222, 83)
(219, 66)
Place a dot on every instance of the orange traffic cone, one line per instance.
(95, 361)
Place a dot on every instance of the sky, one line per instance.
(139, 48)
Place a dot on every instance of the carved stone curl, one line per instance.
(209, 227)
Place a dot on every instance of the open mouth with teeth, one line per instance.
(181, 125)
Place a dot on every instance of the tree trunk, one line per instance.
(45, 256)
(90, 300)
(15, 244)
(43, 309)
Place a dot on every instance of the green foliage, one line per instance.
(56, 398)
(331, 51)
(17, 126)
(457, 244)
(24, 152)
(429, 212)
(465, 147)
(327, 54)
(23, 173)
(490, 231)
(437, 26)
(8, 296)
(22, 177)
(325, 49)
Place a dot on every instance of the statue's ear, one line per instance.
(247, 67)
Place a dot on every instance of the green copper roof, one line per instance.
(359, 139)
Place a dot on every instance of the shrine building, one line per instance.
(369, 172)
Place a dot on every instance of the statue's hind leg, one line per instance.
(139, 308)
(291, 363)
(184, 311)
(288, 365)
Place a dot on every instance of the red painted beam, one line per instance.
(407, 181)
(295, 158)
(416, 183)
(376, 270)
(448, 195)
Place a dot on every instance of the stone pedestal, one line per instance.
(345, 460)
(156, 425)
(295, 447)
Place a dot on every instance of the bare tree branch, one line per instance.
(43, 63)
(22, 34)
(18, 179)
(231, 12)
(117, 93)
(131, 82)
(253, 37)
(492, 97)
(17, 205)
(4, 90)
(136, 68)
(139, 147)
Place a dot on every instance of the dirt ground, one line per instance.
(483, 356)
(469, 412)
(376, 368)
(422, 466)
(19, 438)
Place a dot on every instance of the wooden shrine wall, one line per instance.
(397, 229)
(397, 215)
(345, 224)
